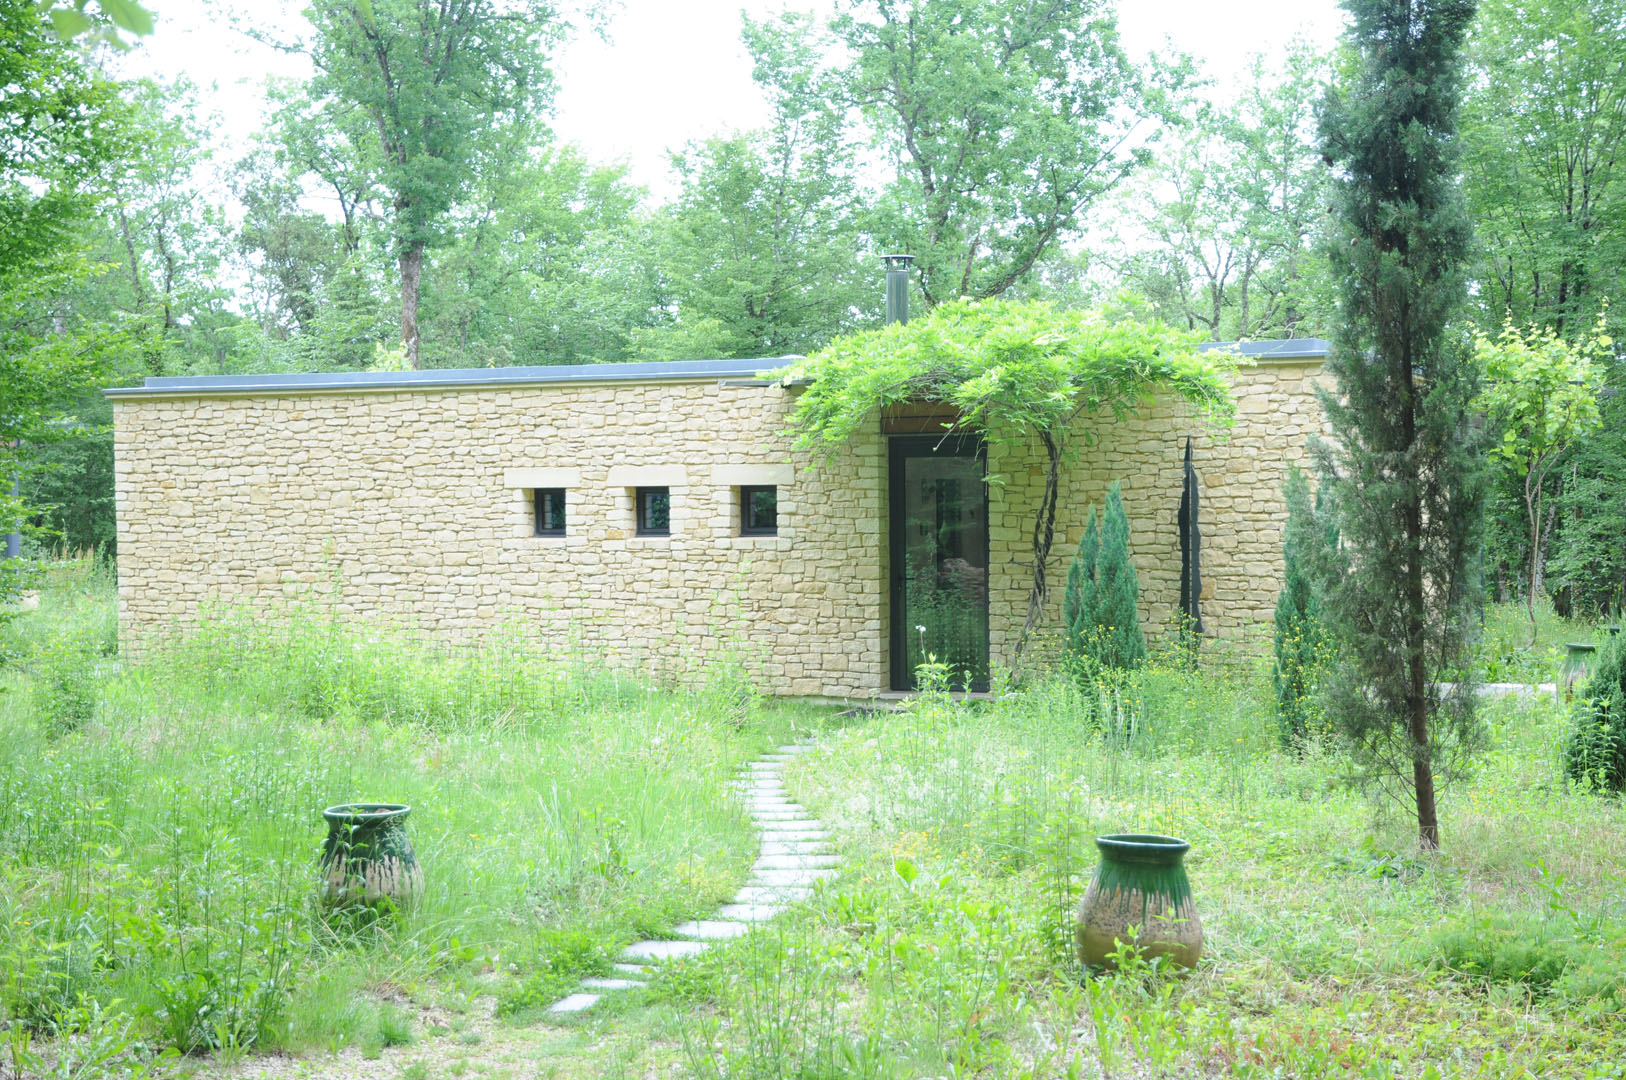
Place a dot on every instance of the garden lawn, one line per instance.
(159, 827)
(1335, 948)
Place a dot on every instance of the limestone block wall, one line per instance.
(415, 506)
(419, 505)
(1242, 512)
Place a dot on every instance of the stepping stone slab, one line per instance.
(575, 1003)
(711, 929)
(796, 836)
(784, 830)
(793, 749)
(794, 847)
(795, 862)
(613, 984)
(658, 951)
(771, 895)
(750, 912)
(793, 878)
(798, 817)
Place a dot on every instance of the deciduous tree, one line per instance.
(1545, 132)
(62, 126)
(1541, 393)
(433, 79)
(1002, 122)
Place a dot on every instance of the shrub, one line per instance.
(1595, 750)
(69, 685)
(1101, 609)
(1301, 643)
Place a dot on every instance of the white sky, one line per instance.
(672, 70)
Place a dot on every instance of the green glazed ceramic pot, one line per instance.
(1140, 882)
(1580, 657)
(368, 859)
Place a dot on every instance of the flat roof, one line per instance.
(1299, 348)
(452, 378)
(543, 375)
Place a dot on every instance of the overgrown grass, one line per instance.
(1335, 949)
(157, 863)
(1506, 653)
(160, 821)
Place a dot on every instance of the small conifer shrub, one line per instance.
(1100, 609)
(1301, 643)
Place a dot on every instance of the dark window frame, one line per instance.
(640, 499)
(746, 527)
(539, 514)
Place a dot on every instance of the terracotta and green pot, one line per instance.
(367, 860)
(1141, 882)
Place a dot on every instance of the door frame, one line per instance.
(899, 448)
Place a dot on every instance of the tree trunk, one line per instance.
(411, 275)
(1417, 697)
(1422, 766)
(1044, 535)
(1532, 511)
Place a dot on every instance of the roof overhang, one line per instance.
(1283, 351)
(728, 373)
(732, 372)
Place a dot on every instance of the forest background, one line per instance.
(408, 205)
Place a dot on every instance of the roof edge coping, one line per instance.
(735, 372)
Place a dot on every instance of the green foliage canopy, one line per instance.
(1013, 369)
(1544, 126)
(62, 128)
(1006, 121)
(1542, 393)
(435, 80)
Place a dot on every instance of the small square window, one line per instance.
(654, 511)
(759, 511)
(550, 511)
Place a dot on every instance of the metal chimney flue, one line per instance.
(897, 287)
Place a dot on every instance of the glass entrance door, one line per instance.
(939, 536)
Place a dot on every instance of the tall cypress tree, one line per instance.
(1397, 592)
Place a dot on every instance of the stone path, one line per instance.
(794, 855)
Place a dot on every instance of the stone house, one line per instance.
(659, 510)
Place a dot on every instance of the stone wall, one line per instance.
(415, 506)
(418, 505)
(1242, 512)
